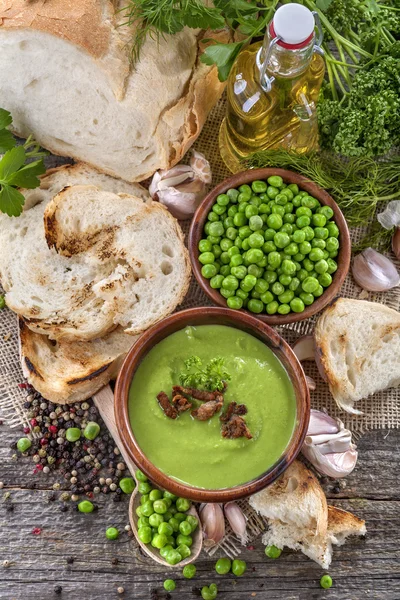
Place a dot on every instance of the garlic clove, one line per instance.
(396, 243)
(331, 442)
(374, 272)
(390, 217)
(311, 383)
(304, 348)
(236, 520)
(213, 524)
(336, 465)
(201, 166)
(321, 422)
(180, 204)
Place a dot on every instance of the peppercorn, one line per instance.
(57, 589)
(70, 560)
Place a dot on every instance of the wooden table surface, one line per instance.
(363, 568)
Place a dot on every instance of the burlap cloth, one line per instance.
(381, 411)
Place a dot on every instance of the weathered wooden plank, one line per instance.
(361, 569)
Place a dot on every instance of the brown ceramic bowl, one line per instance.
(209, 316)
(343, 259)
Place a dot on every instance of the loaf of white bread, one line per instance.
(300, 518)
(358, 343)
(67, 77)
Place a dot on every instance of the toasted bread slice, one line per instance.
(90, 260)
(359, 347)
(68, 372)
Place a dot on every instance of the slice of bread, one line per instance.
(359, 347)
(68, 372)
(90, 260)
(299, 517)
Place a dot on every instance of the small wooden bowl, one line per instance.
(343, 259)
(211, 316)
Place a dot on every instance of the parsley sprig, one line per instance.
(17, 169)
(211, 377)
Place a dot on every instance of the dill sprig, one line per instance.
(357, 185)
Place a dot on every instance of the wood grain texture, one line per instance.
(362, 569)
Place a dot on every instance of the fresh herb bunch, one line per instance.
(211, 377)
(16, 170)
(358, 185)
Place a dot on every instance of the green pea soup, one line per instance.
(194, 452)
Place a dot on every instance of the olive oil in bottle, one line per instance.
(273, 88)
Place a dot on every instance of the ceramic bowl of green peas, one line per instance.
(270, 242)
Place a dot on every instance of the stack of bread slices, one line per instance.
(90, 264)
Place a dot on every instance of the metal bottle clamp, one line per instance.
(266, 81)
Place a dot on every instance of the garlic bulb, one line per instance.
(237, 520)
(374, 272)
(182, 187)
(390, 217)
(328, 446)
(213, 524)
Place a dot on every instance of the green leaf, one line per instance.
(323, 5)
(7, 140)
(11, 201)
(197, 17)
(223, 56)
(27, 177)
(5, 118)
(233, 8)
(11, 162)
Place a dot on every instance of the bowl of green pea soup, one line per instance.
(270, 242)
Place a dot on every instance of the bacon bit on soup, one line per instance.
(202, 395)
(181, 403)
(208, 410)
(233, 409)
(169, 410)
(235, 428)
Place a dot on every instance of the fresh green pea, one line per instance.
(276, 181)
(293, 187)
(167, 516)
(228, 222)
(209, 271)
(310, 284)
(325, 279)
(294, 284)
(281, 240)
(251, 211)
(309, 202)
(278, 210)
(292, 249)
(159, 541)
(289, 218)
(155, 495)
(326, 211)
(255, 295)
(288, 193)
(193, 522)
(281, 199)
(230, 283)
(308, 265)
(285, 279)
(256, 223)
(272, 192)
(174, 524)
(256, 240)
(318, 220)
(321, 232)
(245, 232)
(225, 258)
(270, 276)
(225, 270)
(184, 539)
(112, 533)
(239, 272)
(239, 220)
(254, 255)
(277, 288)
(274, 221)
(297, 200)
(165, 528)
(333, 230)
(302, 221)
(303, 211)
(299, 236)
(326, 580)
(24, 444)
(160, 507)
(144, 487)
(316, 254)
(264, 209)
(286, 297)
(272, 307)
(233, 251)
(143, 522)
(297, 305)
(147, 508)
(206, 258)
(216, 250)
(212, 216)
(145, 534)
(273, 551)
(274, 259)
(185, 528)
(169, 584)
(268, 247)
(261, 286)
(231, 233)
(245, 189)
(333, 254)
(184, 550)
(207, 228)
(189, 571)
(235, 302)
(218, 209)
(238, 242)
(223, 199)
(284, 309)
(205, 246)
(299, 257)
(232, 210)
(332, 265)
(317, 243)
(267, 297)
(210, 592)
(302, 274)
(332, 244)
(138, 511)
(226, 244)
(319, 291)
(321, 267)
(216, 281)
(213, 239)
(309, 233)
(183, 504)
(180, 517)
(286, 228)
(269, 234)
(259, 187)
(255, 306)
(85, 506)
(91, 430)
(172, 557)
(288, 267)
(305, 247)
(239, 567)
(233, 195)
(223, 566)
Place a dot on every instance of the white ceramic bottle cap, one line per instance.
(293, 23)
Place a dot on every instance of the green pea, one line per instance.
(159, 541)
(332, 244)
(248, 283)
(286, 228)
(272, 307)
(239, 272)
(268, 247)
(325, 279)
(160, 507)
(256, 240)
(245, 232)
(276, 181)
(239, 220)
(232, 210)
(310, 284)
(209, 271)
(165, 528)
(213, 239)
(318, 220)
(308, 299)
(223, 199)
(309, 233)
(185, 528)
(281, 199)
(127, 484)
(239, 567)
(145, 534)
(139, 511)
(274, 221)
(231, 233)
(183, 504)
(297, 200)
(147, 509)
(308, 265)
(302, 274)
(321, 267)
(277, 288)
(288, 267)
(299, 236)
(219, 209)
(169, 584)
(205, 246)
(24, 444)
(91, 430)
(272, 192)
(143, 522)
(251, 211)
(216, 281)
(270, 276)
(112, 533)
(245, 189)
(225, 258)
(206, 258)
(234, 254)
(189, 571)
(285, 280)
(264, 209)
(302, 221)
(226, 293)
(261, 286)
(305, 247)
(326, 580)
(276, 209)
(233, 194)
(294, 284)
(184, 539)
(281, 240)
(212, 217)
(273, 551)
(333, 254)
(223, 566)
(184, 550)
(274, 259)
(85, 506)
(230, 283)
(303, 211)
(226, 244)
(216, 250)
(332, 265)
(333, 230)
(254, 255)
(235, 302)
(321, 232)
(284, 309)
(286, 297)
(167, 516)
(267, 297)
(209, 593)
(297, 305)
(309, 202)
(172, 557)
(319, 291)
(238, 242)
(255, 306)
(289, 218)
(228, 222)
(326, 211)
(316, 254)
(259, 187)
(242, 294)
(292, 249)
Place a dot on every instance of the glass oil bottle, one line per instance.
(273, 88)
